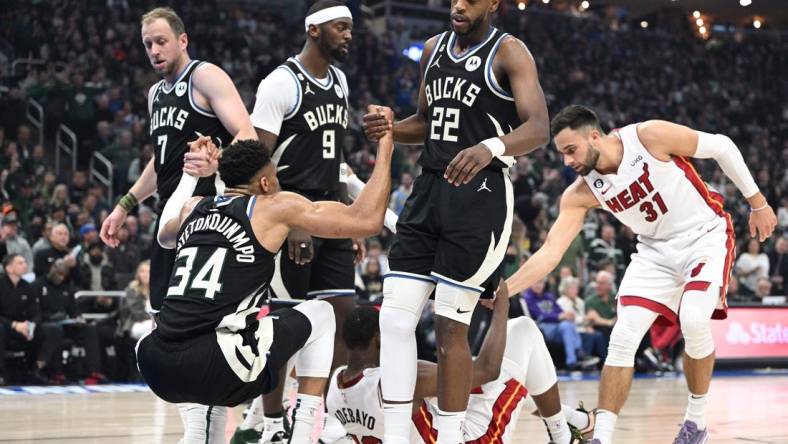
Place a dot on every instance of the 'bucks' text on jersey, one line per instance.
(176, 120)
(309, 146)
(465, 103)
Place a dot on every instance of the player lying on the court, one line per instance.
(508, 376)
(208, 346)
(640, 173)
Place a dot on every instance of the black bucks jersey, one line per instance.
(309, 147)
(176, 120)
(465, 104)
(221, 271)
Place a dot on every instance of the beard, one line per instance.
(472, 26)
(338, 55)
(589, 163)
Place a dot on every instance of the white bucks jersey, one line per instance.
(658, 200)
(465, 103)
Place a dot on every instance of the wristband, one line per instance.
(128, 202)
(495, 145)
(753, 210)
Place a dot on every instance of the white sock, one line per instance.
(449, 426)
(577, 419)
(605, 425)
(558, 429)
(696, 410)
(202, 423)
(272, 426)
(397, 418)
(254, 416)
(304, 418)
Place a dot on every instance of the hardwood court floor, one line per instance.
(741, 410)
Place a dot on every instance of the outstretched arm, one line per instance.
(336, 220)
(665, 139)
(575, 202)
(218, 89)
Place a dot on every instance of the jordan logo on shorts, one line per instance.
(484, 186)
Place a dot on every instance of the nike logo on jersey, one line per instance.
(462, 311)
(484, 186)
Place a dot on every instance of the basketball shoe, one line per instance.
(689, 434)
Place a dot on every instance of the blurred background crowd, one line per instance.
(83, 64)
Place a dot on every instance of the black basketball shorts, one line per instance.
(330, 273)
(198, 370)
(456, 235)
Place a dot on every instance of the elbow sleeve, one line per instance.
(722, 149)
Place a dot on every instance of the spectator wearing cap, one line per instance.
(11, 240)
(88, 235)
(59, 238)
(96, 272)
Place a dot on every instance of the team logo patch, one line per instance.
(180, 89)
(696, 271)
(338, 90)
(473, 63)
(598, 183)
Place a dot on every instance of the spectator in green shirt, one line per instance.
(601, 304)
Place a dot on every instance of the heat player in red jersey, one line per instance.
(641, 174)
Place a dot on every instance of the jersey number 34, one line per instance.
(210, 269)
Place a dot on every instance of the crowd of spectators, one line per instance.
(89, 71)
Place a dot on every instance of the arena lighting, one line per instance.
(699, 22)
(585, 5)
(696, 14)
(756, 24)
(521, 6)
(702, 30)
(644, 24)
(545, 1)
(745, 2)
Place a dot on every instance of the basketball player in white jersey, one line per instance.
(641, 174)
(193, 99)
(512, 372)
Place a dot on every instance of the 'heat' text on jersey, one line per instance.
(636, 191)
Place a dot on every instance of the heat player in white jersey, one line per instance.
(508, 376)
(641, 174)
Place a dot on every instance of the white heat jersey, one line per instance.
(357, 405)
(491, 408)
(658, 200)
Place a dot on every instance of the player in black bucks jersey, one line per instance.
(301, 114)
(193, 99)
(480, 102)
(209, 346)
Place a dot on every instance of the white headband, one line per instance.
(326, 15)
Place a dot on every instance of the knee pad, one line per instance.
(455, 303)
(632, 324)
(320, 315)
(407, 294)
(525, 346)
(695, 317)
